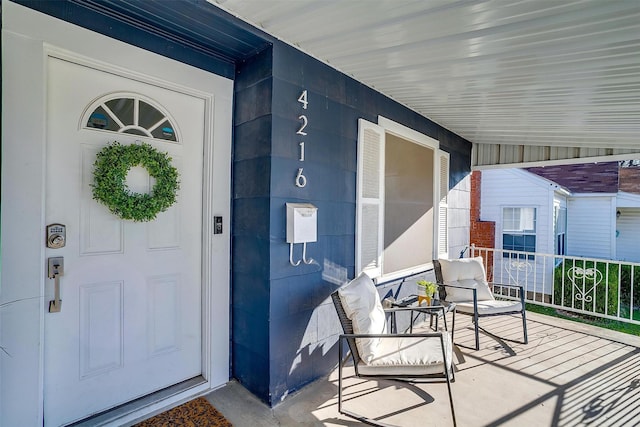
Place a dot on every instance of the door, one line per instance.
(130, 318)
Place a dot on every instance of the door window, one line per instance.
(133, 115)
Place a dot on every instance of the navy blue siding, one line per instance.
(303, 329)
(251, 225)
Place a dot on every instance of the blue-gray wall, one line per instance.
(251, 224)
(284, 327)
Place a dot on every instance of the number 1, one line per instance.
(301, 151)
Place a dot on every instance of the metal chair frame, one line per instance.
(349, 336)
(437, 268)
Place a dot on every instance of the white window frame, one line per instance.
(440, 199)
(520, 232)
(557, 210)
(117, 119)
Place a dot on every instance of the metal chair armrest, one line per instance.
(397, 309)
(453, 286)
(502, 285)
(420, 335)
(520, 293)
(474, 290)
(420, 309)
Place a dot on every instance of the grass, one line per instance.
(615, 325)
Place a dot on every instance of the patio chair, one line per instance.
(464, 281)
(377, 354)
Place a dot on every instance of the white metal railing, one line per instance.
(597, 287)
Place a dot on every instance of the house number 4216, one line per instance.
(300, 179)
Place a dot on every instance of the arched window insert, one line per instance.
(133, 115)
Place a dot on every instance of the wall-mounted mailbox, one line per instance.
(302, 227)
(302, 223)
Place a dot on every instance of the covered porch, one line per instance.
(570, 374)
(491, 84)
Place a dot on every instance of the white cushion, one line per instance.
(362, 306)
(468, 273)
(409, 356)
(489, 307)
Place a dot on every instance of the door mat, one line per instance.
(196, 413)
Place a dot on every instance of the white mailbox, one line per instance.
(302, 223)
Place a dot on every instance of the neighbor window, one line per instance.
(402, 200)
(560, 227)
(518, 231)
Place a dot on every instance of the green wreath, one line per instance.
(110, 172)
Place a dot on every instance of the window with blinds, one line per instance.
(518, 231)
(403, 181)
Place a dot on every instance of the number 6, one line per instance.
(301, 180)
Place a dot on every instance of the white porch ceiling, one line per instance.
(542, 73)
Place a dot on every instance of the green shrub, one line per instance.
(630, 274)
(605, 293)
(592, 283)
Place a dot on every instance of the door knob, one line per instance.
(55, 269)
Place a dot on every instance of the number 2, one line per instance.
(304, 125)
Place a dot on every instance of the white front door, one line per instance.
(131, 313)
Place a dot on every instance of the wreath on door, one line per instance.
(110, 171)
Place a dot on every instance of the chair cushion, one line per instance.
(468, 273)
(409, 356)
(362, 306)
(490, 307)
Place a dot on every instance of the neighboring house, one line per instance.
(591, 225)
(529, 213)
(602, 211)
(604, 226)
(562, 210)
(628, 227)
(628, 211)
(206, 292)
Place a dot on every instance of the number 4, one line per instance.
(303, 99)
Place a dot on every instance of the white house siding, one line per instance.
(560, 201)
(628, 235)
(516, 188)
(459, 222)
(590, 226)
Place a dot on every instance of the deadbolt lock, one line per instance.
(56, 236)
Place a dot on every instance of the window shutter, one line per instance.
(443, 205)
(370, 199)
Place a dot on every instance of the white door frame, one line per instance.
(28, 38)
